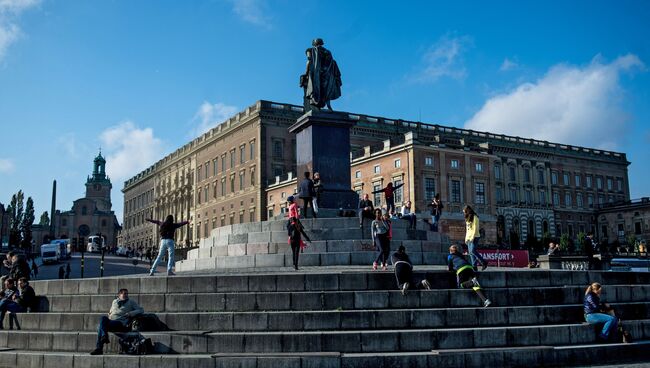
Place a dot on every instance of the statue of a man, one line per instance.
(322, 79)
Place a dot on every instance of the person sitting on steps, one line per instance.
(119, 316)
(366, 209)
(597, 312)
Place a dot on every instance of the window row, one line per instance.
(217, 189)
(227, 160)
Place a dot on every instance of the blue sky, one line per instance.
(141, 78)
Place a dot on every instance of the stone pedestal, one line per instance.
(323, 146)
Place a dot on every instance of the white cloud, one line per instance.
(252, 11)
(129, 149)
(10, 10)
(569, 104)
(68, 143)
(210, 115)
(508, 65)
(443, 59)
(6, 165)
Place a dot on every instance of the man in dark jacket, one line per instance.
(465, 276)
(19, 267)
(366, 209)
(306, 193)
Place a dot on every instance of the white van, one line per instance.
(50, 253)
(95, 244)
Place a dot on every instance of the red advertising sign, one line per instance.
(505, 257)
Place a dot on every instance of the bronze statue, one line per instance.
(322, 79)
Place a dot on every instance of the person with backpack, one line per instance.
(167, 230)
(597, 312)
(465, 276)
(389, 193)
(119, 316)
(436, 210)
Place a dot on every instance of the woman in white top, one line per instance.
(408, 215)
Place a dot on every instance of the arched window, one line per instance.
(84, 210)
(545, 226)
(531, 229)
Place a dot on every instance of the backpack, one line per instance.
(135, 344)
(147, 322)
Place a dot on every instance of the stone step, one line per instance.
(308, 258)
(180, 301)
(547, 356)
(325, 281)
(355, 341)
(338, 319)
(320, 246)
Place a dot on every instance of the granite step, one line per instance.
(366, 319)
(354, 341)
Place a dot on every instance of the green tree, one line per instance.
(26, 224)
(564, 242)
(581, 241)
(45, 219)
(15, 211)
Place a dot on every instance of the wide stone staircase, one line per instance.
(335, 241)
(344, 317)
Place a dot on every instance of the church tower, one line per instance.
(98, 186)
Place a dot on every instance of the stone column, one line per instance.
(323, 146)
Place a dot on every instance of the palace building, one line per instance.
(243, 169)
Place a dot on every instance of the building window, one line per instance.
(242, 154)
(590, 201)
(553, 178)
(599, 183)
(588, 181)
(241, 180)
(232, 183)
(205, 192)
(278, 170)
(277, 149)
(568, 202)
(497, 172)
(514, 198)
(479, 167)
(215, 166)
(252, 147)
(84, 210)
(619, 184)
(540, 176)
(223, 163)
(610, 184)
(429, 189)
(377, 200)
(103, 223)
(454, 164)
(398, 163)
(601, 199)
(455, 191)
(480, 193)
(205, 230)
(357, 174)
(556, 199)
(577, 180)
(398, 192)
(529, 197)
(198, 230)
(223, 220)
(377, 169)
(214, 223)
(542, 197)
(579, 202)
(223, 186)
(428, 161)
(214, 190)
(198, 196)
(251, 216)
(499, 194)
(241, 217)
(513, 173)
(252, 176)
(526, 175)
(198, 174)
(207, 169)
(232, 159)
(565, 178)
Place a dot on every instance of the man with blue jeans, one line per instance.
(167, 230)
(119, 316)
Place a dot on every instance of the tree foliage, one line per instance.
(45, 219)
(27, 222)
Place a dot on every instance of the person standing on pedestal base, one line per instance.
(306, 193)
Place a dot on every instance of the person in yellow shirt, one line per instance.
(472, 237)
